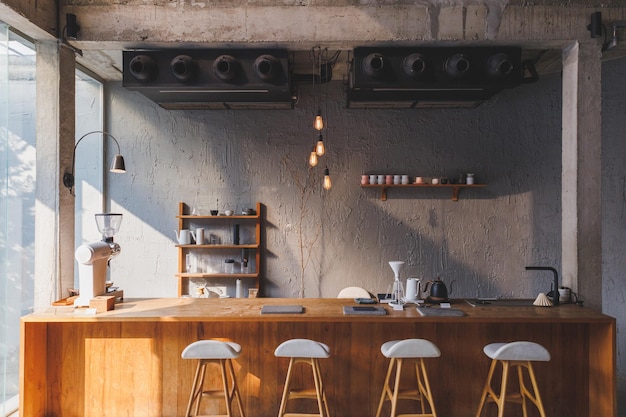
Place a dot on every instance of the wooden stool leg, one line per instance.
(196, 389)
(487, 389)
(283, 401)
(386, 389)
(500, 400)
(322, 389)
(424, 389)
(524, 393)
(234, 390)
(396, 387)
(420, 385)
(319, 388)
(229, 412)
(536, 398)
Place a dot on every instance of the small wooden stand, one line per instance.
(102, 303)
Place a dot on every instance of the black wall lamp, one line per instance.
(614, 41)
(71, 27)
(70, 31)
(596, 27)
(117, 164)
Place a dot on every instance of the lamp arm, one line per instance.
(68, 178)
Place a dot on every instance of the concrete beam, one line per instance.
(37, 20)
(347, 25)
(108, 28)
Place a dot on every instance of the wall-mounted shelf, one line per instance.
(454, 187)
(194, 246)
(205, 275)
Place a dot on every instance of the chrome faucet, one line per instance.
(555, 283)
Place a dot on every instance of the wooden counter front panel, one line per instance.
(134, 368)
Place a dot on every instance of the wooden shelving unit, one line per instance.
(455, 188)
(189, 221)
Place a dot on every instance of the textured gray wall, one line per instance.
(614, 207)
(318, 242)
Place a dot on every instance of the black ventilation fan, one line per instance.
(406, 77)
(211, 78)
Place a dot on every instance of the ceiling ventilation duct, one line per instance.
(426, 77)
(211, 78)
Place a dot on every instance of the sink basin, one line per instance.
(503, 302)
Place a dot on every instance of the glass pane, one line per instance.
(89, 171)
(17, 203)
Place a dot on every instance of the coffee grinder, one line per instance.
(93, 259)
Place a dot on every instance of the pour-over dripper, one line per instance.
(397, 293)
(108, 225)
(397, 267)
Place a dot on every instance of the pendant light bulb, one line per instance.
(319, 148)
(313, 158)
(327, 183)
(319, 122)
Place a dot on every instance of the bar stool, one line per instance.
(514, 354)
(413, 350)
(308, 352)
(221, 353)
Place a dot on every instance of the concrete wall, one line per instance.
(318, 242)
(614, 206)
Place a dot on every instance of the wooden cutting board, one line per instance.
(65, 301)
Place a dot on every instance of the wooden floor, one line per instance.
(128, 362)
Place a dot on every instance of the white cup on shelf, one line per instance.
(199, 236)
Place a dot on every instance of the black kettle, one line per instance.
(438, 290)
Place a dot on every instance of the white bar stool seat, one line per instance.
(221, 353)
(514, 354)
(413, 350)
(308, 352)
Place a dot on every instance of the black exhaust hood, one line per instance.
(427, 77)
(198, 79)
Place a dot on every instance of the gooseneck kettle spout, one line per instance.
(555, 282)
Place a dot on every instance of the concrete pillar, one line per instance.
(581, 171)
(54, 216)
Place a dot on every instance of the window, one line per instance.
(17, 203)
(89, 171)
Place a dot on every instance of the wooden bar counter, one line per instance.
(126, 362)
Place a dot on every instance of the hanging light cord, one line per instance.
(326, 184)
(319, 58)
